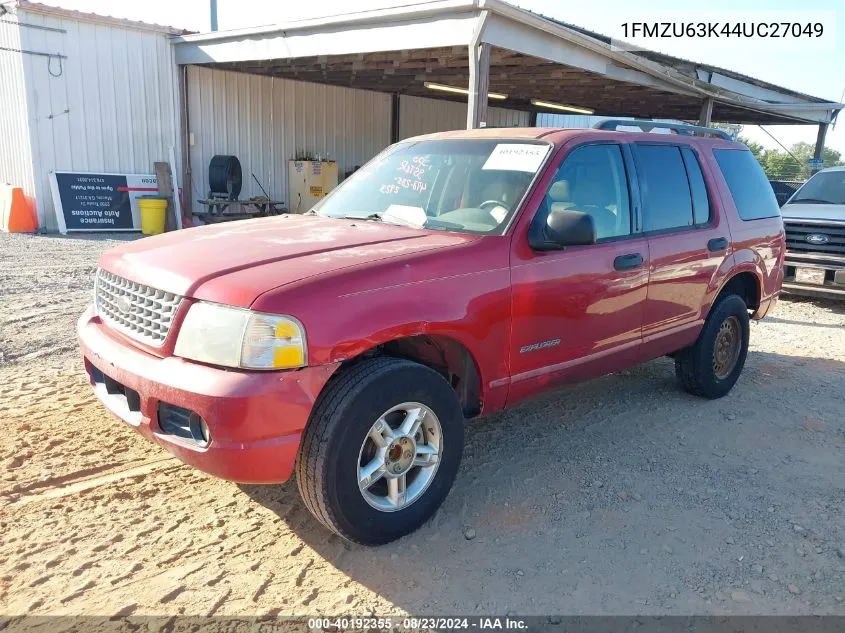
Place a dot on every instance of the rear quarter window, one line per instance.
(666, 193)
(750, 189)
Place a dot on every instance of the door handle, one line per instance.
(717, 244)
(628, 262)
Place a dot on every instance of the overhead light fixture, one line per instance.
(559, 106)
(461, 91)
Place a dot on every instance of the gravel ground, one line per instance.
(623, 495)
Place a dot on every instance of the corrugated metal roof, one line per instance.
(47, 9)
(661, 86)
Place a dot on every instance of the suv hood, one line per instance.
(803, 211)
(277, 251)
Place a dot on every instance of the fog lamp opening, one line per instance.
(199, 430)
(184, 423)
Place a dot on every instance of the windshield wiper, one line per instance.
(811, 201)
(372, 216)
(434, 223)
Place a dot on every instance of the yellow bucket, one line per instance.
(153, 214)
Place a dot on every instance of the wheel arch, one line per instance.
(445, 354)
(747, 284)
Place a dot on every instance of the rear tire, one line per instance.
(359, 423)
(712, 365)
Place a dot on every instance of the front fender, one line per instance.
(463, 295)
(473, 310)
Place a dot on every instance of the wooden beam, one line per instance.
(706, 113)
(479, 79)
(165, 190)
(185, 142)
(394, 118)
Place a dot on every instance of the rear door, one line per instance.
(688, 239)
(578, 312)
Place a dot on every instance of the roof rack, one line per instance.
(679, 128)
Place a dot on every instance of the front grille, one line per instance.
(797, 233)
(139, 311)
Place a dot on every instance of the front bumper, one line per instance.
(255, 419)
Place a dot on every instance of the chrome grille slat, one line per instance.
(150, 311)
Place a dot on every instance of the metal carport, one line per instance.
(491, 48)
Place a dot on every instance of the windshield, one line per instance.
(826, 187)
(466, 185)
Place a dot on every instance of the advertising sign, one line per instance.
(99, 202)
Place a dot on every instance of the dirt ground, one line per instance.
(620, 496)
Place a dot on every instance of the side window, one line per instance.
(592, 180)
(700, 199)
(751, 192)
(667, 203)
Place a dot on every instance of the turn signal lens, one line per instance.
(273, 342)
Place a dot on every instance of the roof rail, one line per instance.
(679, 128)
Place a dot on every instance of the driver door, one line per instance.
(578, 311)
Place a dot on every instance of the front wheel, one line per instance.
(712, 365)
(381, 450)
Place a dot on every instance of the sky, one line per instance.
(814, 72)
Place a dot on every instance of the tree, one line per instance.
(734, 129)
(804, 151)
(755, 148)
(780, 165)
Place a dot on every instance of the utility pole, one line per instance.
(213, 8)
(817, 154)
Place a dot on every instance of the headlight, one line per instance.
(234, 337)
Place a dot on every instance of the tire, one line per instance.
(702, 369)
(337, 445)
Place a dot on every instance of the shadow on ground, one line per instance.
(831, 305)
(626, 495)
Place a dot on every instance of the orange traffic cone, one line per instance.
(17, 213)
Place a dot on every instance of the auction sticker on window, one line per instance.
(517, 157)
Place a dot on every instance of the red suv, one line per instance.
(454, 275)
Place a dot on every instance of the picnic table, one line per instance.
(225, 210)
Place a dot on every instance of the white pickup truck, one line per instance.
(814, 219)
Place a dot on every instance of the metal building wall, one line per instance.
(420, 115)
(588, 121)
(15, 154)
(266, 121)
(568, 120)
(111, 106)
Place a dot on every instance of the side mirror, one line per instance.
(566, 228)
